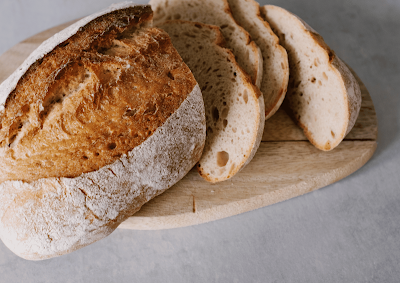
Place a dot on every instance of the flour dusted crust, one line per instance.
(323, 96)
(54, 216)
(49, 216)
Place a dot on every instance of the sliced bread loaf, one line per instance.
(215, 12)
(323, 96)
(234, 106)
(275, 61)
(101, 118)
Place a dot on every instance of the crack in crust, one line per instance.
(96, 96)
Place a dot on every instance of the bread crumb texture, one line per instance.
(233, 105)
(218, 13)
(275, 60)
(323, 96)
(107, 120)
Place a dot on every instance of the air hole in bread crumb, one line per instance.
(112, 146)
(320, 83)
(97, 154)
(234, 73)
(215, 114)
(209, 130)
(313, 80)
(177, 16)
(222, 158)
(301, 94)
(189, 34)
(225, 113)
(333, 134)
(234, 130)
(245, 96)
(316, 62)
(225, 122)
(85, 157)
(283, 66)
(223, 26)
(11, 140)
(324, 76)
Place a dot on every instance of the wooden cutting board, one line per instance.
(285, 166)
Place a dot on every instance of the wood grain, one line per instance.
(279, 171)
(285, 166)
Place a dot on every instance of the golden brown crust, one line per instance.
(70, 113)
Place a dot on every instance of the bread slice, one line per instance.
(234, 106)
(275, 61)
(215, 12)
(100, 119)
(323, 96)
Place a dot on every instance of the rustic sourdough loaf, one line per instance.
(215, 12)
(275, 61)
(323, 96)
(234, 106)
(101, 118)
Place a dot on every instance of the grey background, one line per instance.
(345, 232)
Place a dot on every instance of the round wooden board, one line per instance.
(285, 166)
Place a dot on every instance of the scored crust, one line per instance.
(323, 96)
(46, 214)
(94, 98)
(54, 216)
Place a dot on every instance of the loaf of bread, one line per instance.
(101, 118)
(218, 13)
(275, 60)
(323, 96)
(234, 106)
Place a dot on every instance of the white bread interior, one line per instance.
(323, 96)
(234, 106)
(275, 61)
(215, 12)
